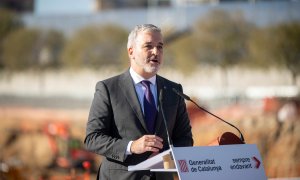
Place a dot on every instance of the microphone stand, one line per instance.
(189, 99)
(164, 117)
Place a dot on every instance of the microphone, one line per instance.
(163, 115)
(189, 99)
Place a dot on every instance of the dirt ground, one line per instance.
(33, 143)
(278, 142)
(31, 149)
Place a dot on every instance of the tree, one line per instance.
(286, 47)
(50, 52)
(18, 49)
(221, 39)
(9, 22)
(258, 49)
(94, 47)
(181, 53)
(277, 46)
(27, 48)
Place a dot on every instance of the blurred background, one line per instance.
(239, 59)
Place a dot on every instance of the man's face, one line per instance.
(146, 53)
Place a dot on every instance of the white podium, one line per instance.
(235, 162)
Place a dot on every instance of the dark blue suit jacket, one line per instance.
(116, 118)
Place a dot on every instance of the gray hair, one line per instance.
(143, 27)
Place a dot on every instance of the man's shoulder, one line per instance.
(167, 81)
(116, 78)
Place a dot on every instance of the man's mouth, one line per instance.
(154, 61)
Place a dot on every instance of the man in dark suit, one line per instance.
(125, 130)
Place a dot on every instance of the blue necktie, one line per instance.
(149, 107)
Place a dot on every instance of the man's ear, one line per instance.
(130, 51)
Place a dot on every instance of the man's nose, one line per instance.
(155, 50)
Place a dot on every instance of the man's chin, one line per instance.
(152, 70)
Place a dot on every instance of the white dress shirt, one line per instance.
(140, 90)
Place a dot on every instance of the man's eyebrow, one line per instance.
(160, 43)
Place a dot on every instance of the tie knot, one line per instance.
(146, 84)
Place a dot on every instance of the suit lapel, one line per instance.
(127, 87)
(159, 119)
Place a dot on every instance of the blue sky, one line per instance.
(63, 6)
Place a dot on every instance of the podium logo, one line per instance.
(183, 166)
(257, 162)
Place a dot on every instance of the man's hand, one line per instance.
(146, 143)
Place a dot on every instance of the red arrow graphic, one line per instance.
(257, 162)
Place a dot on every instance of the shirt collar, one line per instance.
(137, 78)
